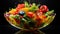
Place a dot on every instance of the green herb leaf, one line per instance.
(26, 4)
(34, 7)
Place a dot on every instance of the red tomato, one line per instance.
(20, 6)
(30, 14)
(43, 8)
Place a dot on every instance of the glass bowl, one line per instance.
(30, 25)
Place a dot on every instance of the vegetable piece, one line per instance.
(33, 7)
(30, 14)
(17, 21)
(42, 16)
(39, 21)
(39, 13)
(49, 13)
(49, 19)
(17, 17)
(12, 20)
(20, 6)
(12, 11)
(43, 8)
(26, 4)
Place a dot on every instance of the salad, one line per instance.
(29, 15)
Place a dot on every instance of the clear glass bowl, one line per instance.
(33, 29)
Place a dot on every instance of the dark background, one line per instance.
(5, 27)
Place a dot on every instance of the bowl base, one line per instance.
(29, 32)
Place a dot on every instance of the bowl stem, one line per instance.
(29, 32)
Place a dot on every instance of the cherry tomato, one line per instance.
(43, 8)
(30, 14)
(20, 6)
